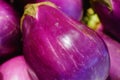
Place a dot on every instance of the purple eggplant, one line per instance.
(114, 51)
(113, 48)
(9, 30)
(109, 14)
(16, 69)
(59, 48)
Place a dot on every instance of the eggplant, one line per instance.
(108, 12)
(114, 51)
(16, 69)
(59, 48)
(112, 45)
(9, 30)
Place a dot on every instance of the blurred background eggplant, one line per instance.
(58, 48)
(109, 14)
(73, 8)
(9, 31)
(16, 69)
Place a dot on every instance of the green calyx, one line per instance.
(104, 2)
(31, 9)
(91, 19)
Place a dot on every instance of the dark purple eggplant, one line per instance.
(9, 30)
(109, 14)
(59, 48)
(16, 69)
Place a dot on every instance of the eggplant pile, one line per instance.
(48, 40)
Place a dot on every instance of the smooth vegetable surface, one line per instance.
(9, 30)
(16, 69)
(58, 48)
(109, 14)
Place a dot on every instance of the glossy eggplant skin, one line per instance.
(58, 48)
(9, 30)
(108, 12)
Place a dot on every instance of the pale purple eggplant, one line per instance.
(9, 30)
(109, 14)
(16, 69)
(59, 48)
